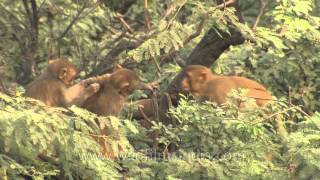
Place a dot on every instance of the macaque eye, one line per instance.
(125, 85)
(203, 76)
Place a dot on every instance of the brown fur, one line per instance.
(114, 89)
(147, 108)
(53, 86)
(199, 81)
(110, 99)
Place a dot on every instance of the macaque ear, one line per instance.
(188, 74)
(116, 67)
(50, 61)
(63, 73)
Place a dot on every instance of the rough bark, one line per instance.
(212, 46)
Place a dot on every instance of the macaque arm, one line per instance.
(80, 92)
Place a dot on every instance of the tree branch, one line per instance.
(74, 20)
(186, 41)
(146, 15)
(261, 11)
(225, 4)
(209, 49)
(33, 20)
(124, 23)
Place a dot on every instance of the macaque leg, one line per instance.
(261, 97)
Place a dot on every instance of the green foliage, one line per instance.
(53, 141)
(173, 34)
(304, 148)
(227, 143)
(286, 55)
(213, 142)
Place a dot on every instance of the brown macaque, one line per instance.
(146, 113)
(54, 85)
(110, 99)
(146, 108)
(199, 81)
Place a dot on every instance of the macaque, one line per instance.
(147, 108)
(199, 81)
(54, 85)
(110, 99)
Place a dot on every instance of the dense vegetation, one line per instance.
(276, 42)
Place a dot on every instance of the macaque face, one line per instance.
(63, 70)
(194, 78)
(68, 76)
(115, 87)
(127, 81)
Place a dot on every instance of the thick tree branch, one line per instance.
(33, 20)
(29, 44)
(212, 46)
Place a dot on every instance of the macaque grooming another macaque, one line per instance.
(199, 81)
(54, 85)
(110, 99)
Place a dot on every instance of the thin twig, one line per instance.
(261, 11)
(155, 105)
(195, 34)
(168, 11)
(277, 113)
(186, 41)
(124, 23)
(26, 7)
(169, 102)
(92, 9)
(146, 15)
(225, 4)
(74, 20)
(144, 115)
(289, 94)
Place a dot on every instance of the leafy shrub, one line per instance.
(227, 143)
(38, 141)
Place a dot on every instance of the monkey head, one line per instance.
(63, 70)
(194, 78)
(126, 81)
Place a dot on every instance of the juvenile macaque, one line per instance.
(54, 85)
(110, 99)
(199, 81)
